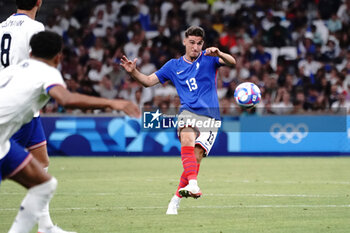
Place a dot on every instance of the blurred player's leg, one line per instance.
(45, 221)
(40, 153)
(32, 136)
(23, 168)
(32, 205)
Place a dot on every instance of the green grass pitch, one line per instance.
(240, 194)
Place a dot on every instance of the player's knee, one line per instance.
(46, 188)
(45, 164)
(187, 137)
(41, 155)
(186, 140)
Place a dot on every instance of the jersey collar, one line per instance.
(17, 14)
(184, 58)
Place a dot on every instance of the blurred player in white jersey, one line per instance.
(24, 89)
(15, 33)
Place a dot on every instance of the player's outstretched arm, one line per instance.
(224, 58)
(130, 68)
(69, 99)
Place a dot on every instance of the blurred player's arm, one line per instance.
(224, 58)
(76, 100)
(130, 68)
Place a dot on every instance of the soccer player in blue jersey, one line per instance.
(194, 76)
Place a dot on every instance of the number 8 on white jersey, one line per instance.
(15, 34)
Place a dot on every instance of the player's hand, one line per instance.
(128, 65)
(128, 107)
(212, 51)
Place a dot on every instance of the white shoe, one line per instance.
(55, 229)
(190, 191)
(174, 204)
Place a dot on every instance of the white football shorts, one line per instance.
(205, 127)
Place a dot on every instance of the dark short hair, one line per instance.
(46, 44)
(25, 4)
(195, 31)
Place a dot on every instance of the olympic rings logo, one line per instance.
(289, 132)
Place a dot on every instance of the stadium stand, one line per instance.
(297, 52)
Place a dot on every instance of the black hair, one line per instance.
(195, 31)
(26, 4)
(46, 44)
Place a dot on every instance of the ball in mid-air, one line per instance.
(247, 95)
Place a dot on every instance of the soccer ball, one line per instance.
(247, 95)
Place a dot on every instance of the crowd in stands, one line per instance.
(296, 51)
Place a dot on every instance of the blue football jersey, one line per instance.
(195, 83)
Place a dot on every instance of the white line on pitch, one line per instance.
(207, 194)
(275, 195)
(192, 207)
(153, 179)
(285, 182)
